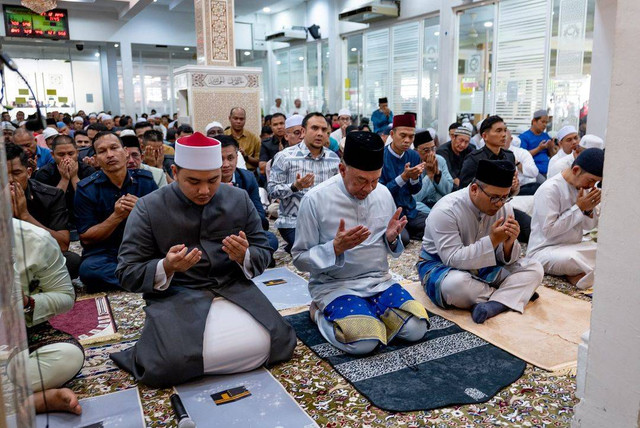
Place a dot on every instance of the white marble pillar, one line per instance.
(603, 35)
(447, 70)
(127, 78)
(208, 91)
(612, 383)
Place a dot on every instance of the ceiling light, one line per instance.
(186, 49)
(116, 45)
(301, 58)
(97, 54)
(278, 62)
(437, 33)
(488, 24)
(266, 9)
(354, 49)
(247, 53)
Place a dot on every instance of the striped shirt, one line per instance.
(287, 164)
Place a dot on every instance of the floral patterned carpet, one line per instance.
(537, 399)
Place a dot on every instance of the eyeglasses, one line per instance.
(495, 199)
(427, 149)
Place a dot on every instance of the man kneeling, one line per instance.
(346, 227)
(470, 252)
(192, 247)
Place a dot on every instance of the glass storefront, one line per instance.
(302, 72)
(153, 77)
(63, 78)
(474, 53)
(400, 63)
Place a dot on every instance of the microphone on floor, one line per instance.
(184, 421)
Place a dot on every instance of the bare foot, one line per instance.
(575, 278)
(313, 308)
(58, 400)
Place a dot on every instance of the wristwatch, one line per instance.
(587, 213)
(28, 308)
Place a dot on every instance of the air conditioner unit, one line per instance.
(370, 13)
(287, 35)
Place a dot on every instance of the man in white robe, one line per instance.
(470, 255)
(347, 226)
(568, 139)
(564, 208)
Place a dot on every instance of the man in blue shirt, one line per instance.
(382, 117)
(538, 142)
(103, 202)
(401, 174)
(37, 156)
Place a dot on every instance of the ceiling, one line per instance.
(248, 7)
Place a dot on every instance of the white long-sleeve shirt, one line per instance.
(556, 218)
(559, 163)
(530, 171)
(362, 271)
(458, 232)
(37, 256)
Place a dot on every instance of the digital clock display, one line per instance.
(22, 22)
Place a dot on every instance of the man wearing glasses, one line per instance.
(436, 180)
(494, 133)
(470, 256)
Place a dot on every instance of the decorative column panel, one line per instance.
(214, 32)
(206, 94)
(519, 80)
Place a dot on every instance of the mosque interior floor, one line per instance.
(537, 399)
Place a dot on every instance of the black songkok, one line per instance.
(422, 138)
(591, 161)
(383, 100)
(130, 141)
(497, 173)
(364, 151)
(488, 123)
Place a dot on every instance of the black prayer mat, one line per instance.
(449, 367)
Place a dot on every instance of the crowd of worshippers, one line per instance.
(182, 217)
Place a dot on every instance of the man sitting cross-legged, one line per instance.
(346, 228)
(54, 357)
(192, 247)
(470, 255)
(564, 207)
(102, 204)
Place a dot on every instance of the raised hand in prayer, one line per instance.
(179, 259)
(431, 165)
(396, 226)
(18, 202)
(348, 239)
(412, 172)
(515, 185)
(124, 205)
(498, 232)
(33, 162)
(153, 156)
(512, 229)
(588, 200)
(91, 161)
(236, 247)
(304, 182)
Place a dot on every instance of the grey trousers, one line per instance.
(513, 287)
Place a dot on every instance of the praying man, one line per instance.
(470, 256)
(563, 208)
(347, 226)
(192, 247)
